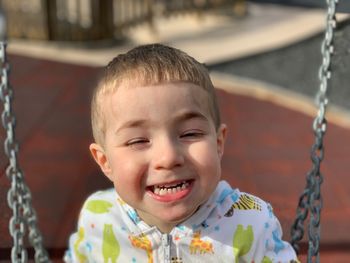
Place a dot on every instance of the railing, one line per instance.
(82, 20)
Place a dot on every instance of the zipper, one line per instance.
(166, 247)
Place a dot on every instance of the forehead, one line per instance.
(161, 99)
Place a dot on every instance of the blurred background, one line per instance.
(263, 57)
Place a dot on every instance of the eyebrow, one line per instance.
(188, 115)
(131, 124)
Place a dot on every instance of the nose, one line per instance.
(167, 154)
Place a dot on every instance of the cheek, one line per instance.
(205, 156)
(128, 170)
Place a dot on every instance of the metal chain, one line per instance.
(15, 200)
(19, 197)
(311, 199)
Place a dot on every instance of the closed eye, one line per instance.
(137, 141)
(192, 134)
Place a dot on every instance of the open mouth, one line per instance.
(171, 191)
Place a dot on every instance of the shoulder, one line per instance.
(249, 202)
(242, 210)
(97, 225)
(109, 193)
(237, 204)
(250, 222)
(100, 201)
(100, 207)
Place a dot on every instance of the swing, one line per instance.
(19, 196)
(311, 199)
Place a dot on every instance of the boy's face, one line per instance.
(161, 151)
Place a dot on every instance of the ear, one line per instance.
(221, 138)
(101, 159)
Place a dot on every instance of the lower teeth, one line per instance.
(171, 190)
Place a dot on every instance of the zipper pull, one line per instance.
(166, 246)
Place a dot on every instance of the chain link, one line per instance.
(19, 196)
(311, 199)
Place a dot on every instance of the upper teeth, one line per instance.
(168, 189)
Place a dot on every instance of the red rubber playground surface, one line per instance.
(267, 154)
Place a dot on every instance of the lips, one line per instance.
(171, 191)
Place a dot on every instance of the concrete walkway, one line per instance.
(210, 38)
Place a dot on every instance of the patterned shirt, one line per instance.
(231, 226)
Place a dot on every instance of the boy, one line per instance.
(159, 139)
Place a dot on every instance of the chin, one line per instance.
(179, 217)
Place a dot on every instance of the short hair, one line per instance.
(149, 65)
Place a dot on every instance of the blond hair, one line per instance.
(149, 65)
